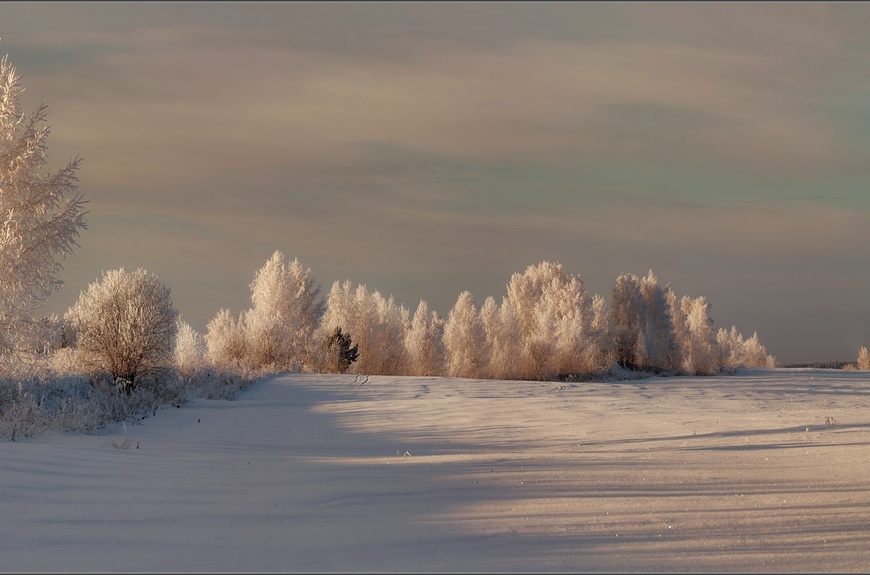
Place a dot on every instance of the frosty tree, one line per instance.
(464, 339)
(699, 349)
(225, 340)
(286, 311)
(628, 318)
(423, 342)
(125, 325)
(555, 314)
(662, 347)
(507, 347)
(189, 350)
(40, 214)
(863, 358)
(376, 324)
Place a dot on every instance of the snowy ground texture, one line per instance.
(768, 470)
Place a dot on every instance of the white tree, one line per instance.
(387, 347)
(423, 343)
(190, 349)
(555, 315)
(754, 354)
(373, 322)
(572, 346)
(489, 321)
(662, 351)
(507, 344)
(40, 214)
(225, 341)
(730, 349)
(286, 311)
(539, 347)
(547, 285)
(341, 312)
(600, 353)
(863, 358)
(125, 325)
(464, 339)
(699, 351)
(734, 352)
(645, 325)
(628, 315)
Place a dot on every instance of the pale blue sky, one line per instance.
(426, 149)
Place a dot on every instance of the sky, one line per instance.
(425, 149)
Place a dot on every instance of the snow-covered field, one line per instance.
(768, 470)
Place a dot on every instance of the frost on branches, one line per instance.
(40, 214)
(276, 331)
(285, 312)
(125, 326)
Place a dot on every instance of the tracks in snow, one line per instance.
(359, 381)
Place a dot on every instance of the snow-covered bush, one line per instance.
(40, 215)
(220, 384)
(125, 326)
(50, 400)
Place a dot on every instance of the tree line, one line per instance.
(546, 326)
(122, 347)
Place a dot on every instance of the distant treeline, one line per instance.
(825, 365)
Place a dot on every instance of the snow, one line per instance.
(767, 470)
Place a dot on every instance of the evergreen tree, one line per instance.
(340, 352)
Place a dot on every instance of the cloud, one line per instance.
(174, 104)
